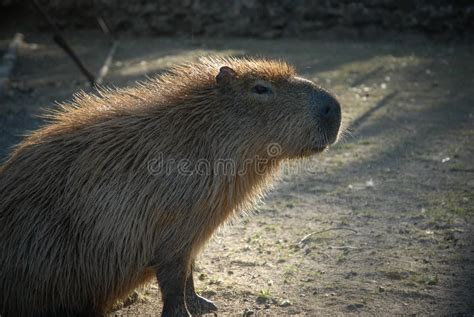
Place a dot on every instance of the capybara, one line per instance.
(129, 184)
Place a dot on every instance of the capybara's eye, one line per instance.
(261, 89)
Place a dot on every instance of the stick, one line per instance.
(108, 60)
(59, 39)
(105, 27)
(105, 68)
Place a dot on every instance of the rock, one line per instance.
(248, 313)
(285, 303)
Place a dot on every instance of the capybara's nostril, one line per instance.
(324, 106)
(325, 111)
(329, 107)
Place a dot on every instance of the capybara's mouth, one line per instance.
(332, 133)
(319, 149)
(313, 150)
(329, 139)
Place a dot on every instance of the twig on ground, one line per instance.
(306, 237)
(347, 247)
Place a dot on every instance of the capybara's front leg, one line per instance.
(197, 305)
(172, 280)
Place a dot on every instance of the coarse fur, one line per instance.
(94, 202)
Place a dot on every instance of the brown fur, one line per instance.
(82, 219)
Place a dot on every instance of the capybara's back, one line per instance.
(128, 184)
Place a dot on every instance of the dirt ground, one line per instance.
(381, 224)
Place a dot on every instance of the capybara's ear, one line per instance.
(225, 76)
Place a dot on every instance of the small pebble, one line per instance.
(285, 303)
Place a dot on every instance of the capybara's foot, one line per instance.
(198, 305)
(175, 311)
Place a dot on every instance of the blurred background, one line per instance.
(262, 19)
(380, 224)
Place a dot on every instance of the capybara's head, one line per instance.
(275, 104)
